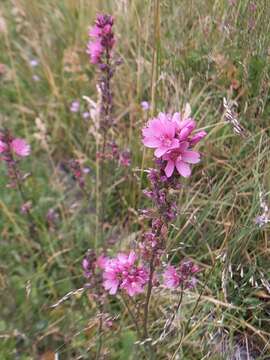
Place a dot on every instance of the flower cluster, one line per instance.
(183, 275)
(171, 136)
(102, 39)
(123, 273)
(16, 146)
(11, 150)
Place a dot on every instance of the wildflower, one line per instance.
(102, 39)
(95, 51)
(124, 158)
(18, 146)
(86, 115)
(197, 137)
(145, 105)
(33, 62)
(171, 135)
(180, 159)
(89, 263)
(122, 273)
(160, 134)
(75, 106)
(171, 278)
(181, 276)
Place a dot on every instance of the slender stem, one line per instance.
(167, 328)
(32, 225)
(148, 296)
(97, 193)
(132, 315)
(105, 124)
(99, 337)
(193, 312)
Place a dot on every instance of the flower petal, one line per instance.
(183, 168)
(160, 151)
(151, 142)
(191, 157)
(169, 168)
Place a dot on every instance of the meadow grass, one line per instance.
(173, 52)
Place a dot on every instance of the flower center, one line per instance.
(166, 141)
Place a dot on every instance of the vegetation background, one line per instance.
(173, 52)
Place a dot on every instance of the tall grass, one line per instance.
(173, 52)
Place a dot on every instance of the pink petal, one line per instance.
(160, 151)
(132, 257)
(3, 147)
(169, 168)
(183, 168)
(175, 144)
(198, 137)
(191, 157)
(151, 142)
(111, 285)
(169, 128)
(122, 258)
(20, 147)
(183, 146)
(156, 127)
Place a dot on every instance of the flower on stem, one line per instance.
(17, 145)
(171, 136)
(182, 275)
(75, 106)
(145, 105)
(102, 39)
(122, 273)
(160, 134)
(180, 159)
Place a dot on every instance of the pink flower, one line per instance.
(197, 137)
(171, 278)
(145, 105)
(3, 147)
(95, 50)
(101, 261)
(180, 159)
(160, 134)
(122, 273)
(95, 31)
(20, 147)
(102, 39)
(182, 275)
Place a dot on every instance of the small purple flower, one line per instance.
(145, 105)
(75, 106)
(86, 115)
(34, 63)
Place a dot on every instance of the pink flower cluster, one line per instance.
(17, 145)
(181, 276)
(122, 272)
(102, 39)
(171, 136)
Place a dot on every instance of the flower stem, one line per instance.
(148, 296)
